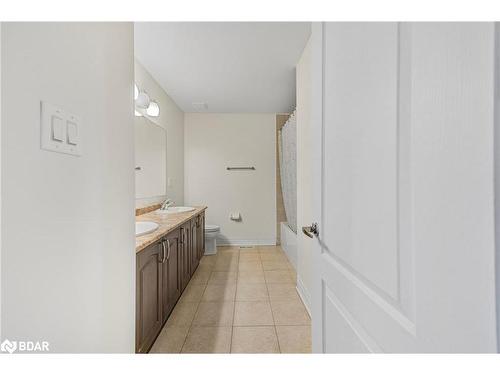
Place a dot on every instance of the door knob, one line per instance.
(311, 231)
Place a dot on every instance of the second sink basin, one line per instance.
(177, 210)
(145, 227)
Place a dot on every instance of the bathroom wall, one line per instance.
(172, 119)
(214, 141)
(497, 176)
(304, 176)
(0, 180)
(68, 245)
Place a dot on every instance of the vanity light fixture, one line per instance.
(142, 100)
(153, 110)
(144, 105)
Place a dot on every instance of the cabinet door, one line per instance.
(185, 260)
(171, 285)
(194, 245)
(148, 297)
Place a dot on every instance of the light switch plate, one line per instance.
(60, 131)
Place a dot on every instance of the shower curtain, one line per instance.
(288, 168)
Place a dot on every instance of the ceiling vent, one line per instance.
(200, 106)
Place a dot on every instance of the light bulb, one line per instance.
(153, 110)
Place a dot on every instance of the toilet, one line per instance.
(211, 232)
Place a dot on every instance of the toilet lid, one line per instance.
(211, 228)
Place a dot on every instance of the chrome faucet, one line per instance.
(165, 205)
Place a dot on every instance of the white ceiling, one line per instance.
(233, 67)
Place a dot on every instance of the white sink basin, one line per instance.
(145, 227)
(176, 210)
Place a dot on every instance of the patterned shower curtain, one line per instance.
(288, 168)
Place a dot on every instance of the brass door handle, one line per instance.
(311, 231)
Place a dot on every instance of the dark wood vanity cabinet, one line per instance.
(148, 297)
(163, 270)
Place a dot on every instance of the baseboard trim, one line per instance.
(238, 242)
(304, 295)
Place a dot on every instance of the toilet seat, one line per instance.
(211, 228)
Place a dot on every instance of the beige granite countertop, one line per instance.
(167, 222)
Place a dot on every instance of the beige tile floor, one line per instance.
(239, 301)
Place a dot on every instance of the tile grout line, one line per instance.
(272, 313)
(234, 303)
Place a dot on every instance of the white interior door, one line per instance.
(403, 187)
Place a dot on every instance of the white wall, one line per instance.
(68, 246)
(304, 175)
(172, 119)
(216, 141)
(497, 176)
(1, 180)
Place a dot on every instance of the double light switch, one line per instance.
(60, 130)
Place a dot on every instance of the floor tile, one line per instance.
(250, 266)
(249, 257)
(251, 292)
(250, 250)
(200, 277)
(222, 277)
(251, 277)
(254, 340)
(208, 340)
(271, 265)
(214, 314)
(219, 292)
(274, 257)
(294, 339)
(253, 314)
(204, 267)
(226, 265)
(283, 292)
(170, 340)
(227, 250)
(208, 260)
(193, 293)
(270, 249)
(183, 314)
(289, 313)
(278, 276)
(228, 255)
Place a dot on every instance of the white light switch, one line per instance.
(60, 131)
(57, 128)
(72, 133)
